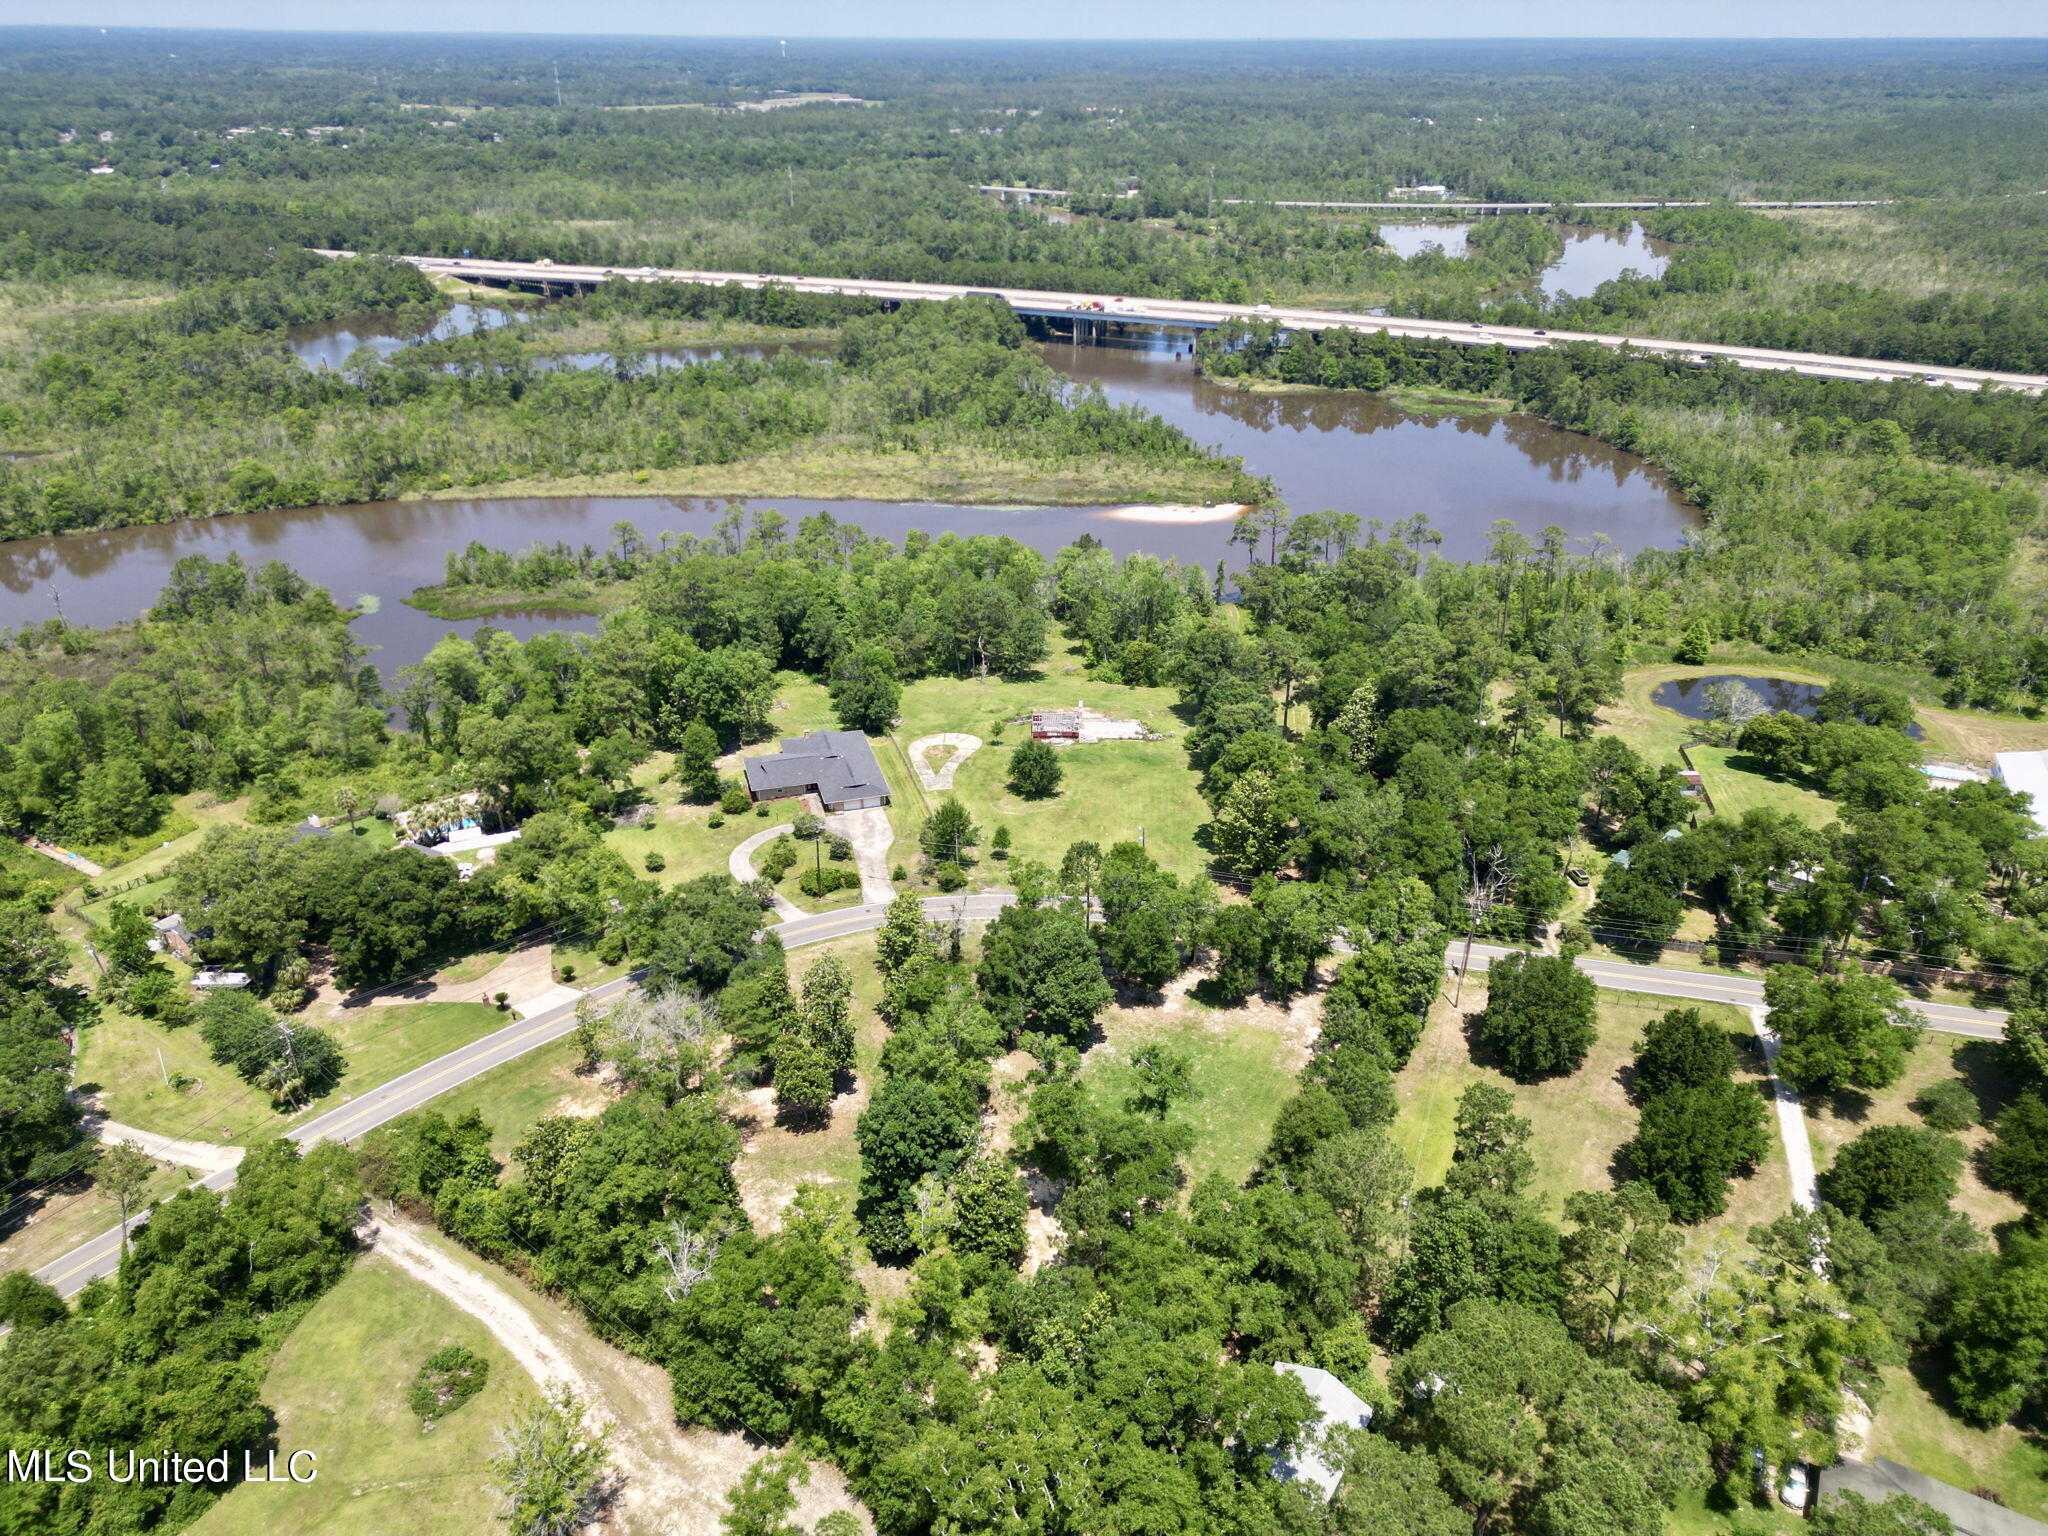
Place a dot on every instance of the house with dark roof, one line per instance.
(838, 767)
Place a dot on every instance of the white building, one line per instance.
(2026, 773)
(1337, 1407)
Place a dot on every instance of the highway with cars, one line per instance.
(403, 1094)
(1194, 315)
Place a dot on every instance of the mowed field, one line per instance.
(338, 1387)
(1578, 1122)
(1112, 791)
(1245, 1059)
(137, 1066)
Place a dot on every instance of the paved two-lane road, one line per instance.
(1742, 991)
(1099, 307)
(402, 1095)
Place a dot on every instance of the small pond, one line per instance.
(1590, 256)
(1406, 240)
(328, 343)
(1688, 696)
(1594, 256)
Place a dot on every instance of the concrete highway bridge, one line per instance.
(1088, 313)
(1413, 205)
(1409, 205)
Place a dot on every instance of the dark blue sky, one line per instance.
(1085, 18)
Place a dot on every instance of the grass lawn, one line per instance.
(585, 967)
(146, 876)
(1912, 1428)
(1577, 1123)
(1693, 1517)
(1245, 1065)
(1113, 792)
(802, 704)
(778, 1157)
(338, 1387)
(681, 832)
(1657, 732)
(1111, 789)
(1971, 735)
(1968, 735)
(512, 1097)
(808, 858)
(1737, 783)
(1841, 1118)
(120, 1055)
(73, 1213)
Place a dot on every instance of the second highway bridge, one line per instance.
(1193, 315)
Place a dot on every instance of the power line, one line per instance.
(86, 1152)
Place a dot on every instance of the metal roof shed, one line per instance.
(1337, 1407)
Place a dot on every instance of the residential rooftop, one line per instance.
(839, 767)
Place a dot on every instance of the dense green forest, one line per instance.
(1873, 522)
(196, 407)
(1389, 752)
(1406, 809)
(352, 143)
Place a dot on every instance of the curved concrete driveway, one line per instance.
(941, 778)
(872, 837)
(740, 863)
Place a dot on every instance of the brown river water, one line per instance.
(1344, 452)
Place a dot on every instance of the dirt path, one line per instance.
(941, 778)
(525, 974)
(1791, 1117)
(65, 856)
(205, 1156)
(675, 1479)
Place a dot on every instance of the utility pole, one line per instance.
(1466, 964)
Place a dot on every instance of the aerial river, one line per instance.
(1343, 452)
